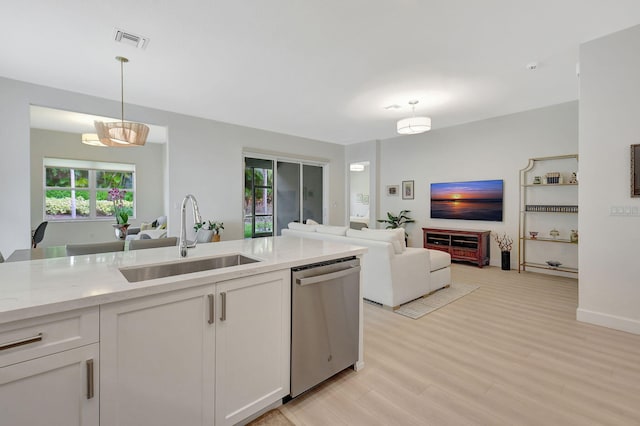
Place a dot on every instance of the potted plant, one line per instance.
(208, 231)
(120, 212)
(217, 228)
(399, 221)
(505, 243)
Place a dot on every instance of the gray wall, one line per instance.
(204, 157)
(609, 124)
(496, 148)
(149, 161)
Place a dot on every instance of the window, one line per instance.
(79, 190)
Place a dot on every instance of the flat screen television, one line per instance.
(473, 200)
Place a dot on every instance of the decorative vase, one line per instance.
(506, 260)
(574, 236)
(121, 230)
(204, 235)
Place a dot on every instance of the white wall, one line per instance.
(149, 161)
(204, 158)
(609, 124)
(489, 149)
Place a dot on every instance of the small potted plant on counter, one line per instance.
(505, 243)
(208, 231)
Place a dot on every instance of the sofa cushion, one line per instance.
(397, 232)
(312, 222)
(439, 259)
(332, 230)
(377, 236)
(302, 227)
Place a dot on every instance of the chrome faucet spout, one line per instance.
(184, 244)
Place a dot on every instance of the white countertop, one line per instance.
(42, 287)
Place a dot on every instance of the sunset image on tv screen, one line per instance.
(473, 200)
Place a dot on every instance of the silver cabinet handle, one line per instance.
(21, 342)
(212, 314)
(327, 277)
(89, 378)
(223, 314)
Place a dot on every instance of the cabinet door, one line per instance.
(52, 390)
(252, 344)
(157, 360)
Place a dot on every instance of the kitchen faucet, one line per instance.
(184, 244)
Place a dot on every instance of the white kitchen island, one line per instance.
(203, 348)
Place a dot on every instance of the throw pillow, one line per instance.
(301, 227)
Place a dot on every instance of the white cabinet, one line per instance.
(157, 355)
(252, 344)
(49, 373)
(168, 360)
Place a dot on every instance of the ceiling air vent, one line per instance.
(130, 39)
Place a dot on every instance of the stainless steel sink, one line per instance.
(149, 272)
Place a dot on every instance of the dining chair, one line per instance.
(153, 243)
(38, 234)
(91, 248)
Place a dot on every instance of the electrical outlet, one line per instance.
(624, 211)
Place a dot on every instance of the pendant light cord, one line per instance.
(122, 90)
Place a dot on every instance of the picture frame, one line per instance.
(635, 170)
(407, 190)
(393, 190)
(365, 199)
(359, 198)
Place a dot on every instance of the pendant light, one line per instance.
(414, 125)
(121, 133)
(92, 139)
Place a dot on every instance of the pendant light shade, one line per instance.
(91, 139)
(414, 125)
(121, 133)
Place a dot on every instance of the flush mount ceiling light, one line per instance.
(91, 139)
(122, 133)
(414, 125)
(355, 167)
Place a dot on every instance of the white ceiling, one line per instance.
(322, 69)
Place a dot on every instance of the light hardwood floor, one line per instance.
(510, 353)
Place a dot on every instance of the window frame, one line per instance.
(92, 167)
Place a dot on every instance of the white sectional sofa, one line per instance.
(393, 274)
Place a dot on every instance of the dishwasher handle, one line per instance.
(326, 277)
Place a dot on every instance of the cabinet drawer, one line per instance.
(40, 336)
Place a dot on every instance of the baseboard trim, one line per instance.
(607, 320)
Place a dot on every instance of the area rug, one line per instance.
(421, 307)
(272, 418)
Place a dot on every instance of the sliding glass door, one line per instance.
(258, 198)
(312, 191)
(298, 189)
(288, 194)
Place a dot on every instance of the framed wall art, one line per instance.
(393, 190)
(407, 190)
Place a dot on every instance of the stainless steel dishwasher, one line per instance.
(325, 303)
